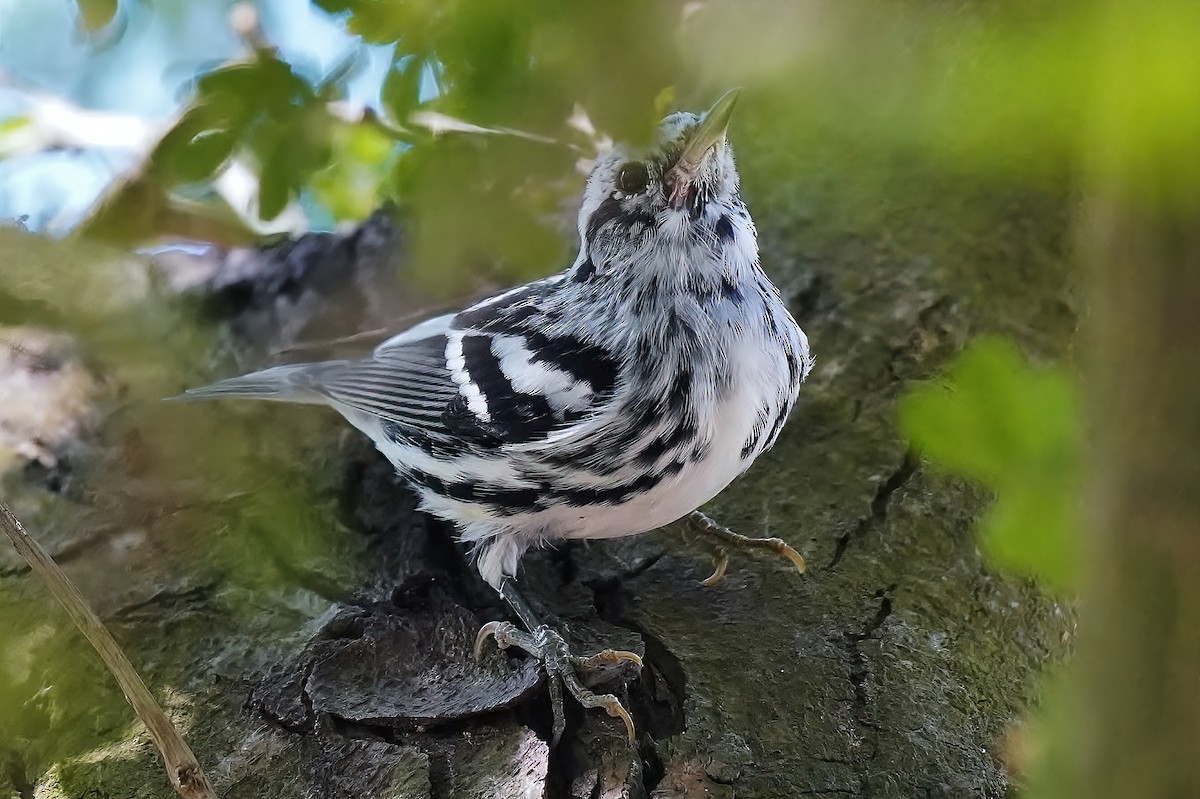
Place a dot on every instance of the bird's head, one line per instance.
(638, 201)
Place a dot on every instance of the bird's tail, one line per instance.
(291, 383)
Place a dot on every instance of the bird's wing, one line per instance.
(408, 384)
(495, 373)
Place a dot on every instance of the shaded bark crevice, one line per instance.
(879, 505)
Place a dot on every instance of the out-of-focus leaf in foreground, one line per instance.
(496, 207)
(258, 108)
(1013, 427)
(349, 188)
(95, 14)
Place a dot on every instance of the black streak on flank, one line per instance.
(777, 425)
(724, 228)
(607, 455)
(585, 272)
(501, 501)
(769, 320)
(677, 436)
(793, 364)
(683, 434)
(730, 290)
(577, 497)
(755, 437)
(677, 399)
(653, 451)
(749, 447)
(577, 358)
(673, 468)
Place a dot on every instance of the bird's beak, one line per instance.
(708, 135)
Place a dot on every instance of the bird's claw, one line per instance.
(720, 561)
(783, 549)
(608, 657)
(562, 667)
(616, 710)
(491, 630)
(720, 539)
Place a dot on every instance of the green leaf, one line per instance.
(198, 144)
(401, 90)
(96, 14)
(348, 187)
(382, 21)
(205, 154)
(290, 148)
(273, 189)
(1014, 428)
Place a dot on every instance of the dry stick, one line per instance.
(182, 768)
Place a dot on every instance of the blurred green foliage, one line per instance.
(1145, 115)
(1015, 428)
(225, 518)
(94, 15)
(494, 204)
(260, 106)
(525, 65)
(498, 205)
(1013, 91)
(1010, 90)
(1015, 88)
(45, 672)
(349, 188)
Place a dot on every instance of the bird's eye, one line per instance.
(632, 178)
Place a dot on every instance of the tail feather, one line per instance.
(291, 383)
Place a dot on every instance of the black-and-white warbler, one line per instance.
(608, 400)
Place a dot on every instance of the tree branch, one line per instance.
(183, 770)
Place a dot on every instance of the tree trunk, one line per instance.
(1141, 662)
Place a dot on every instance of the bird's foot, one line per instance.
(719, 540)
(562, 668)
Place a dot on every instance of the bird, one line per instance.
(607, 400)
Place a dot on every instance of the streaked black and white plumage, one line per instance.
(604, 401)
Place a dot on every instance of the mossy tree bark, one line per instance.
(895, 668)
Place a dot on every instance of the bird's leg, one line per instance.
(562, 668)
(698, 528)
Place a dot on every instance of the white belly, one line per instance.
(729, 426)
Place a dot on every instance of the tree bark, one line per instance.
(895, 668)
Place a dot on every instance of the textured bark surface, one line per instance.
(894, 668)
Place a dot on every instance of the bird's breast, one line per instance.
(723, 419)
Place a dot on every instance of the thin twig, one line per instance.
(389, 328)
(183, 770)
